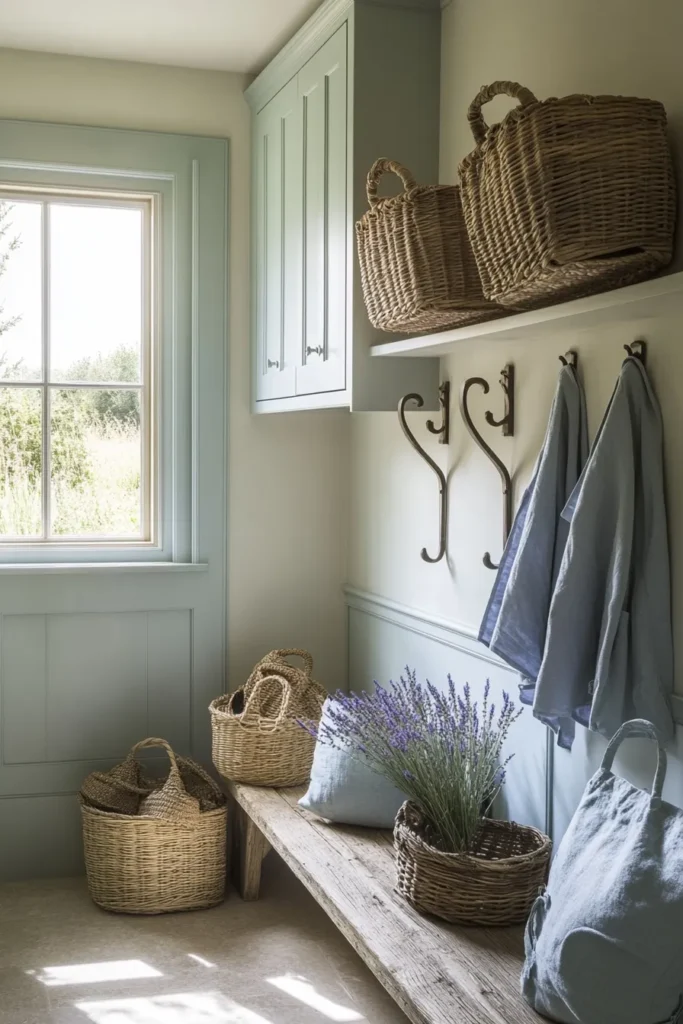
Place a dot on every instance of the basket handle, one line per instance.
(156, 741)
(284, 707)
(384, 166)
(485, 94)
(290, 652)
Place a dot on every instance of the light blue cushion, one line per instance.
(344, 790)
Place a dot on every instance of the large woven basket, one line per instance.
(171, 854)
(493, 885)
(256, 736)
(567, 196)
(417, 267)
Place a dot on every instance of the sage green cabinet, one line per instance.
(359, 81)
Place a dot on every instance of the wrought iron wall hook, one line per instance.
(507, 423)
(444, 432)
(637, 350)
(570, 358)
(507, 382)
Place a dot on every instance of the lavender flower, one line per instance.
(437, 746)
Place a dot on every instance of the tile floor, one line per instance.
(277, 961)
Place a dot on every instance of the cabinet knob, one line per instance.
(317, 351)
(273, 363)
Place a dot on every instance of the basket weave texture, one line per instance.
(256, 736)
(567, 197)
(417, 267)
(494, 885)
(169, 852)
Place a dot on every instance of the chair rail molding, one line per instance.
(457, 635)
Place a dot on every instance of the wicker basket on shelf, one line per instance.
(567, 196)
(166, 855)
(256, 736)
(417, 267)
(494, 885)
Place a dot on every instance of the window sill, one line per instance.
(88, 568)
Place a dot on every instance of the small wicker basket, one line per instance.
(256, 736)
(495, 885)
(170, 853)
(567, 196)
(416, 262)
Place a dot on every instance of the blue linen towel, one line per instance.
(609, 647)
(515, 622)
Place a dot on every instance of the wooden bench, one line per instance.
(437, 973)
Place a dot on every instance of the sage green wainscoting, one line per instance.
(544, 783)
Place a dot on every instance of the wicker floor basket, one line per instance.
(256, 736)
(568, 196)
(494, 886)
(417, 267)
(170, 855)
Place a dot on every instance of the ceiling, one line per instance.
(227, 35)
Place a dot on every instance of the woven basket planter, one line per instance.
(567, 197)
(255, 732)
(170, 855)
(417, 267)
(493, 886)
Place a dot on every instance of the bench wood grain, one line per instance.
(437, 973)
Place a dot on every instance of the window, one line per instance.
(77, 454)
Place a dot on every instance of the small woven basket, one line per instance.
(494, 885)
(256, 736)
(170, 853)
(417, 267)
(567, 197)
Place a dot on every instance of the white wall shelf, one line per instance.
(648, 299)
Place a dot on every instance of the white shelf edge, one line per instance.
(563, 315)
(82, 568)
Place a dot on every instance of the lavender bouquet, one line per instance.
(439, 748)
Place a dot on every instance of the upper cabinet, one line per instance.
(360, 80)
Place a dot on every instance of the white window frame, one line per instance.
(149, 470)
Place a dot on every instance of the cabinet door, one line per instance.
(323, 98)
(278, 244)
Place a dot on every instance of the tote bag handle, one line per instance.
(638, 727)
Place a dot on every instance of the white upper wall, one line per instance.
(554, 48)
(288, 475)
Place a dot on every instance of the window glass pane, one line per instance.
(21, 291)
(21, 461)
(95, 463)
(95, 293)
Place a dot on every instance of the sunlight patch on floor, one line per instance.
(86, 974)
(200, 960)
(301, 989)
(179, 1008)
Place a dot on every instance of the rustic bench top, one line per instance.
(437, 973)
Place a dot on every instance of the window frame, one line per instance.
(190, 176)
(147, 204)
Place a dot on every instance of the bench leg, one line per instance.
(249, 848)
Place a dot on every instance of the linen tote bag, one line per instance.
(604, 943)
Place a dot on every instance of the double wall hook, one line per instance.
(443, 433)
(570, 358)
(507, 423)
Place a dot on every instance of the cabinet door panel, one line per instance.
(277, 167)
(323, 99)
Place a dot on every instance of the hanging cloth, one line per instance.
(609, 648)
(515, 622)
